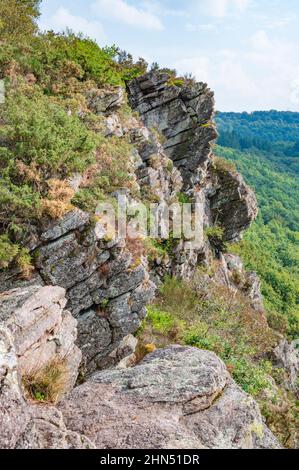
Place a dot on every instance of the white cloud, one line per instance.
(158, 9)
(122, 12)
(280, 23)
(222, 8)
(63, 19)
(193, 28)
(264, 76)
(200, 67)
(260, 40)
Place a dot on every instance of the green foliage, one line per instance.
(221, 165)
(44, 142)
(270, 247)
(8, 251)
(273, 133)
(40, 143)
(178, 82)
(215, 235)
(252, 378)
(17, 19)
(210, 317)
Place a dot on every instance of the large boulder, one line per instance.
(180, 397)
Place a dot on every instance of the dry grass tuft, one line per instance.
(46, 384)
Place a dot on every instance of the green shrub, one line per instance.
(42, 136)
(17, 19)
(215, 236)
(8, 251)
(161, 321)
(251, 377)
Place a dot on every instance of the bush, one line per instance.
(251, 377)
(40, 145)
(215, 236)
(8, 251)
(42, 137)
(17, 19)
(220, 165)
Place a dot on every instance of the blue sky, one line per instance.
(246, 50)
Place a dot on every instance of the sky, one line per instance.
(246, 50)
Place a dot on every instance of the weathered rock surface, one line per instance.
(233, 204)
(182, 114)
(286, 355)
(100, 280)
(41, 330)
(106, 100)
(22, 424)
(179, 397)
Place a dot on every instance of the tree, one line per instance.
(18, 19)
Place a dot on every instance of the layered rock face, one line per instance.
(183, 115)
(41, 330)
(24, 425)
(105, 291)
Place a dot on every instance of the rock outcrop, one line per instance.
(184, 117)
(176, 398)
(179, 397)
(233, 204)
(41, 330)
(107, 287)
(106, 290)
(24, 425)
(286, 356)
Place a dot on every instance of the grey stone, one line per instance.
(103, 101)
(233, 204)
(71, 221)
(182, 114)
(286, 355)
(179, 397)
(41, 329)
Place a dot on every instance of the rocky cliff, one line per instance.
(88, 295)
(106, 291)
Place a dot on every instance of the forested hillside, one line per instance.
(263, 146)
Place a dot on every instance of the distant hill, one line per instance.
(265, 148)
(274, 132)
